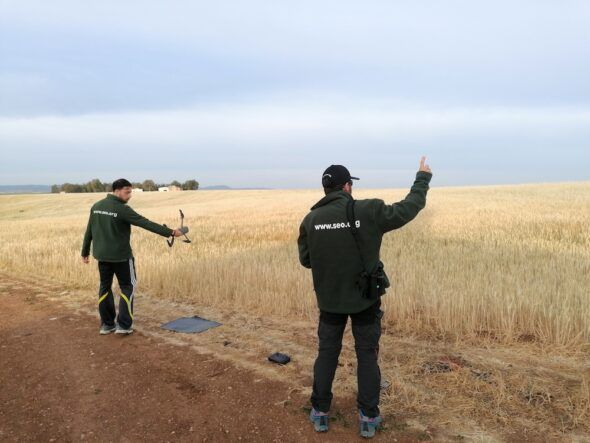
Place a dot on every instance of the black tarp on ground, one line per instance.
(190, 325)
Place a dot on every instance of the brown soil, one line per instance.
(62, 381)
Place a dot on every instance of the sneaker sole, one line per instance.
(121, 332)
(106, 332)
(368, 433)
(319, 429)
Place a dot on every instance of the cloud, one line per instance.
(271, 135)
(270, 91)
(327, 29)
(114, 56)
(271, 122)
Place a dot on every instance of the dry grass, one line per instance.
(495, 280)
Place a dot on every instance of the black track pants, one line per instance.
(125, 272)
(366, 329)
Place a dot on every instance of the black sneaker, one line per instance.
(106, 329)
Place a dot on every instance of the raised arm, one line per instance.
(389, 217)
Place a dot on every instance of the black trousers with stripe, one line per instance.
(125, 272)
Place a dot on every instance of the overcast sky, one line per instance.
(270, 93)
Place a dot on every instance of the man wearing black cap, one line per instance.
(340, 240)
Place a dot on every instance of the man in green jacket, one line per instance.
(342, 258)
(109, 231)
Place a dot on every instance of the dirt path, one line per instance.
(61, 381)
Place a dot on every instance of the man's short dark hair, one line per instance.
(334, 189)
(328, 190)
(120, 184)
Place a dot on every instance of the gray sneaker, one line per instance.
(320, 420)
(123, 331)
(106, 329)
(369, 425)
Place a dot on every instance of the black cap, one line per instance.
(336, 175)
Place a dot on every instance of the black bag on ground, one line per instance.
(279, 358)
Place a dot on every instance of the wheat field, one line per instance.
(510, 263)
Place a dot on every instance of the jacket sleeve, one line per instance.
(396, 215)
(303, 248)
(132, 217)
(87, 237)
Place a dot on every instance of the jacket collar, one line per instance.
(331, 197)
(115, 198)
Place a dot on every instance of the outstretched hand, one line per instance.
(423, 166)
(177, 233)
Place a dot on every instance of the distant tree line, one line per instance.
(96, 185)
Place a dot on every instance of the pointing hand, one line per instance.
(423, 166)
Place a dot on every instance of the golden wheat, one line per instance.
(508, 263)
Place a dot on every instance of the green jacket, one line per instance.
(109, 229)
(327, 246)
